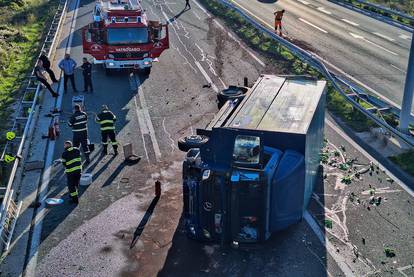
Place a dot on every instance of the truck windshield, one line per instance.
(246, 150)
(117, 36)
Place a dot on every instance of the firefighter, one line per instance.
(78, 122)
(107, 121)
(71, 159)
(87, 75)
(278, 21)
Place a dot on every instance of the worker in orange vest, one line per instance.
(278, 21)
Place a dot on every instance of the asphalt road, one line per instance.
(373, 52)
(104, 235)
(119, 228)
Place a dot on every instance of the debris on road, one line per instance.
(389, 252)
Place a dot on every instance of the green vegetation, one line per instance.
(404, 6)
(22, 25)
(405, 161)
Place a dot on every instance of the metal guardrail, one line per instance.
(383, 9)
(24, 115)
(312, 60)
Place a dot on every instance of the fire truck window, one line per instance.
(117, 36)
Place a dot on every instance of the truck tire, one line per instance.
(231, 93)
(193, 141)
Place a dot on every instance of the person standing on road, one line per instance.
(187, 4)
(68, 66)
(107, 121)
(71, 159)
(87, 75)
(278, 21)
(46, 65)
(41, 78)
(78, 122)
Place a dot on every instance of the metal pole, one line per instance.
(408, 92)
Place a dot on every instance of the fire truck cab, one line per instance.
(121, 36)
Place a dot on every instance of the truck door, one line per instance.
(159, 37)
(93, 39)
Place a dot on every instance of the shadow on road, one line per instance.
(144, 221)
(295, 251)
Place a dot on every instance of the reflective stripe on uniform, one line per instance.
(106, 121)
(75, 193)
(107, 128)
(78, 130)
(68, 170)
(80, 122)
(105, 143)
(114, 142)
(74, 160)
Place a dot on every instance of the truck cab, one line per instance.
(254, 171)
(121, 36)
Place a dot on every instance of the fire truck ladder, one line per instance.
(115, 4)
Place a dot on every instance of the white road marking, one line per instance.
(383, 36)
(322, 9)
(404, 36)
(304, 2)
(314, 26)
(145, 122)
(340, 261)
(349, 22)
(399, 69)
(235, 39)
(142, 126)
(370, 42)
(46, 177)
(208, 79)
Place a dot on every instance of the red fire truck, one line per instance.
(120, 36)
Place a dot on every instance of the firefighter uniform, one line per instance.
(78, 123)
(71, 159)
(107, 121)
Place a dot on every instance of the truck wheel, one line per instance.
(193, 141)
(232, 93)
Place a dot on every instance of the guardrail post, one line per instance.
(408, 92)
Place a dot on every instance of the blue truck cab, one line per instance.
(252, 170)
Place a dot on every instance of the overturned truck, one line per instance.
(252, 170)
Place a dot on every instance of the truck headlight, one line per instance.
(111, 64)
(145, 55)
(111, 56)
(206, 174)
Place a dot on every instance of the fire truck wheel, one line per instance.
(193, 141)
(232, 93)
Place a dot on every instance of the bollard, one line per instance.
(157, 188)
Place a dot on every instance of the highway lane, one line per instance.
(370, 51)
(94, 238)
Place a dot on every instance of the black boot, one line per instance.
(116, 151)
(104, 151)
(75, 199)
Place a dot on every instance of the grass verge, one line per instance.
(405, 161)
(404, 6)
(22, 26)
